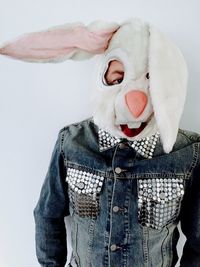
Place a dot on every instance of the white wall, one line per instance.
(36, 100)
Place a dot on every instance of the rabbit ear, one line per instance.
(68, 41)
(168, 85)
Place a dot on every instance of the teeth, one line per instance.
(134, 124)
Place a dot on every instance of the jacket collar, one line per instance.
(144, 146)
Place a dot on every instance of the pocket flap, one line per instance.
(84, 182)
(161, 190)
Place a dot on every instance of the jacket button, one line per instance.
(81, 185)
(118, 170)
(122, 145)
(162, 195)
(115, 208)
(113, 247)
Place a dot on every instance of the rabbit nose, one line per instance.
(136, 101)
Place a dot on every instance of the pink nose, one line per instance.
(136, 101)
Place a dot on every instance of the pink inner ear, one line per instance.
(57, 43)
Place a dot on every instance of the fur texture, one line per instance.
(141, 48)
(59, 43)
(168, 85)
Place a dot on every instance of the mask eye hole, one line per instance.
(147, 76)
(115, 73)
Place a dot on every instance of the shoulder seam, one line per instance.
(62, 136)
(190, 137)
(195, 158)
(75, 124)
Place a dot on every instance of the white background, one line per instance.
(37, 100)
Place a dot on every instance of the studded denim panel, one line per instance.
(106, 140)
(144, 146)
(84, 188)
(159, 201)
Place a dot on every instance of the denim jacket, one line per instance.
(119, 216)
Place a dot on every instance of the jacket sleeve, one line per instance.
(49, 213)
(190, 221)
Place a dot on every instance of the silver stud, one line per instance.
(144, 146)
(159, 206)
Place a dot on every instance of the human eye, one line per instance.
(118, 81)
(114, 73)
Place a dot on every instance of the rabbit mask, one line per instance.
(151, 95)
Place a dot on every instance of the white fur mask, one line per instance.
(142, 49)
(156, 102)
(129, 45)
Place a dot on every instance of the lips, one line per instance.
(130, 132)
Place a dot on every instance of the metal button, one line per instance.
(81, 185)
(162, 195)
(113, 247)
(122, 145)
(115, 208)
(118, 170)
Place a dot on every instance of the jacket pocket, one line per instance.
(84, 187)
(159, 201)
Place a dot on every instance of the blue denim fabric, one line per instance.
(115, 236)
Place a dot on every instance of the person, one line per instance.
(115, 75)
(128, 174)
